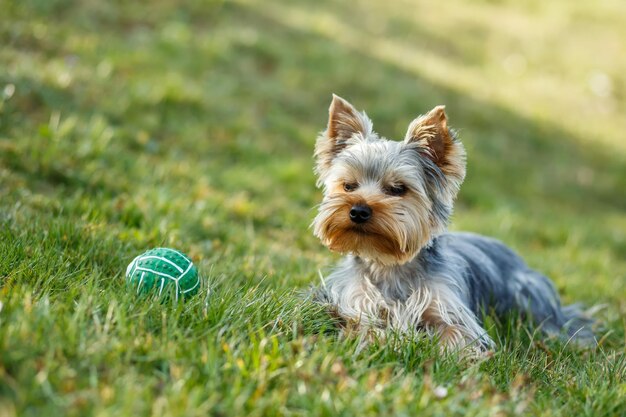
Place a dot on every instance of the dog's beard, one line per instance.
(394, 234)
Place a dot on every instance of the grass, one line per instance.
(125, 126)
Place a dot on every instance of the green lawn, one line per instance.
(129, 125)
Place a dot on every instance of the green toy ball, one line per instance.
(165, 271)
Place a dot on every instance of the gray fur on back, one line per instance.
(471, 274)
(497, 279)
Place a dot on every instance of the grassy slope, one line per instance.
(124, 127)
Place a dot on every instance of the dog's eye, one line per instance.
(395, 190)
(350, 186)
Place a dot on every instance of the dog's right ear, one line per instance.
(344, 123)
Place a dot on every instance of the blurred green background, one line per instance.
(190, 124)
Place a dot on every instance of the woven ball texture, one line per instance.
(163, 272)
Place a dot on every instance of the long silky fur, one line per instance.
(402, 270)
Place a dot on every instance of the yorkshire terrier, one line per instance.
(386, 206)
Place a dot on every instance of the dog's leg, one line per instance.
(449, 318)
(355, 300)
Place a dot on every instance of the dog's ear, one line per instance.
(437, 142)
(344, 123)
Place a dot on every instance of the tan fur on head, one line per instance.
(429, 166)
(397, 230)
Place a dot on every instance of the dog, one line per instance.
(386, 205)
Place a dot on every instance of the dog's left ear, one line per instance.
(436, 142)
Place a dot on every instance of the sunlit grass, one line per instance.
(125, 126)
(556, 62)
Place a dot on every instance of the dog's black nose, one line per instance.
(360, 213)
